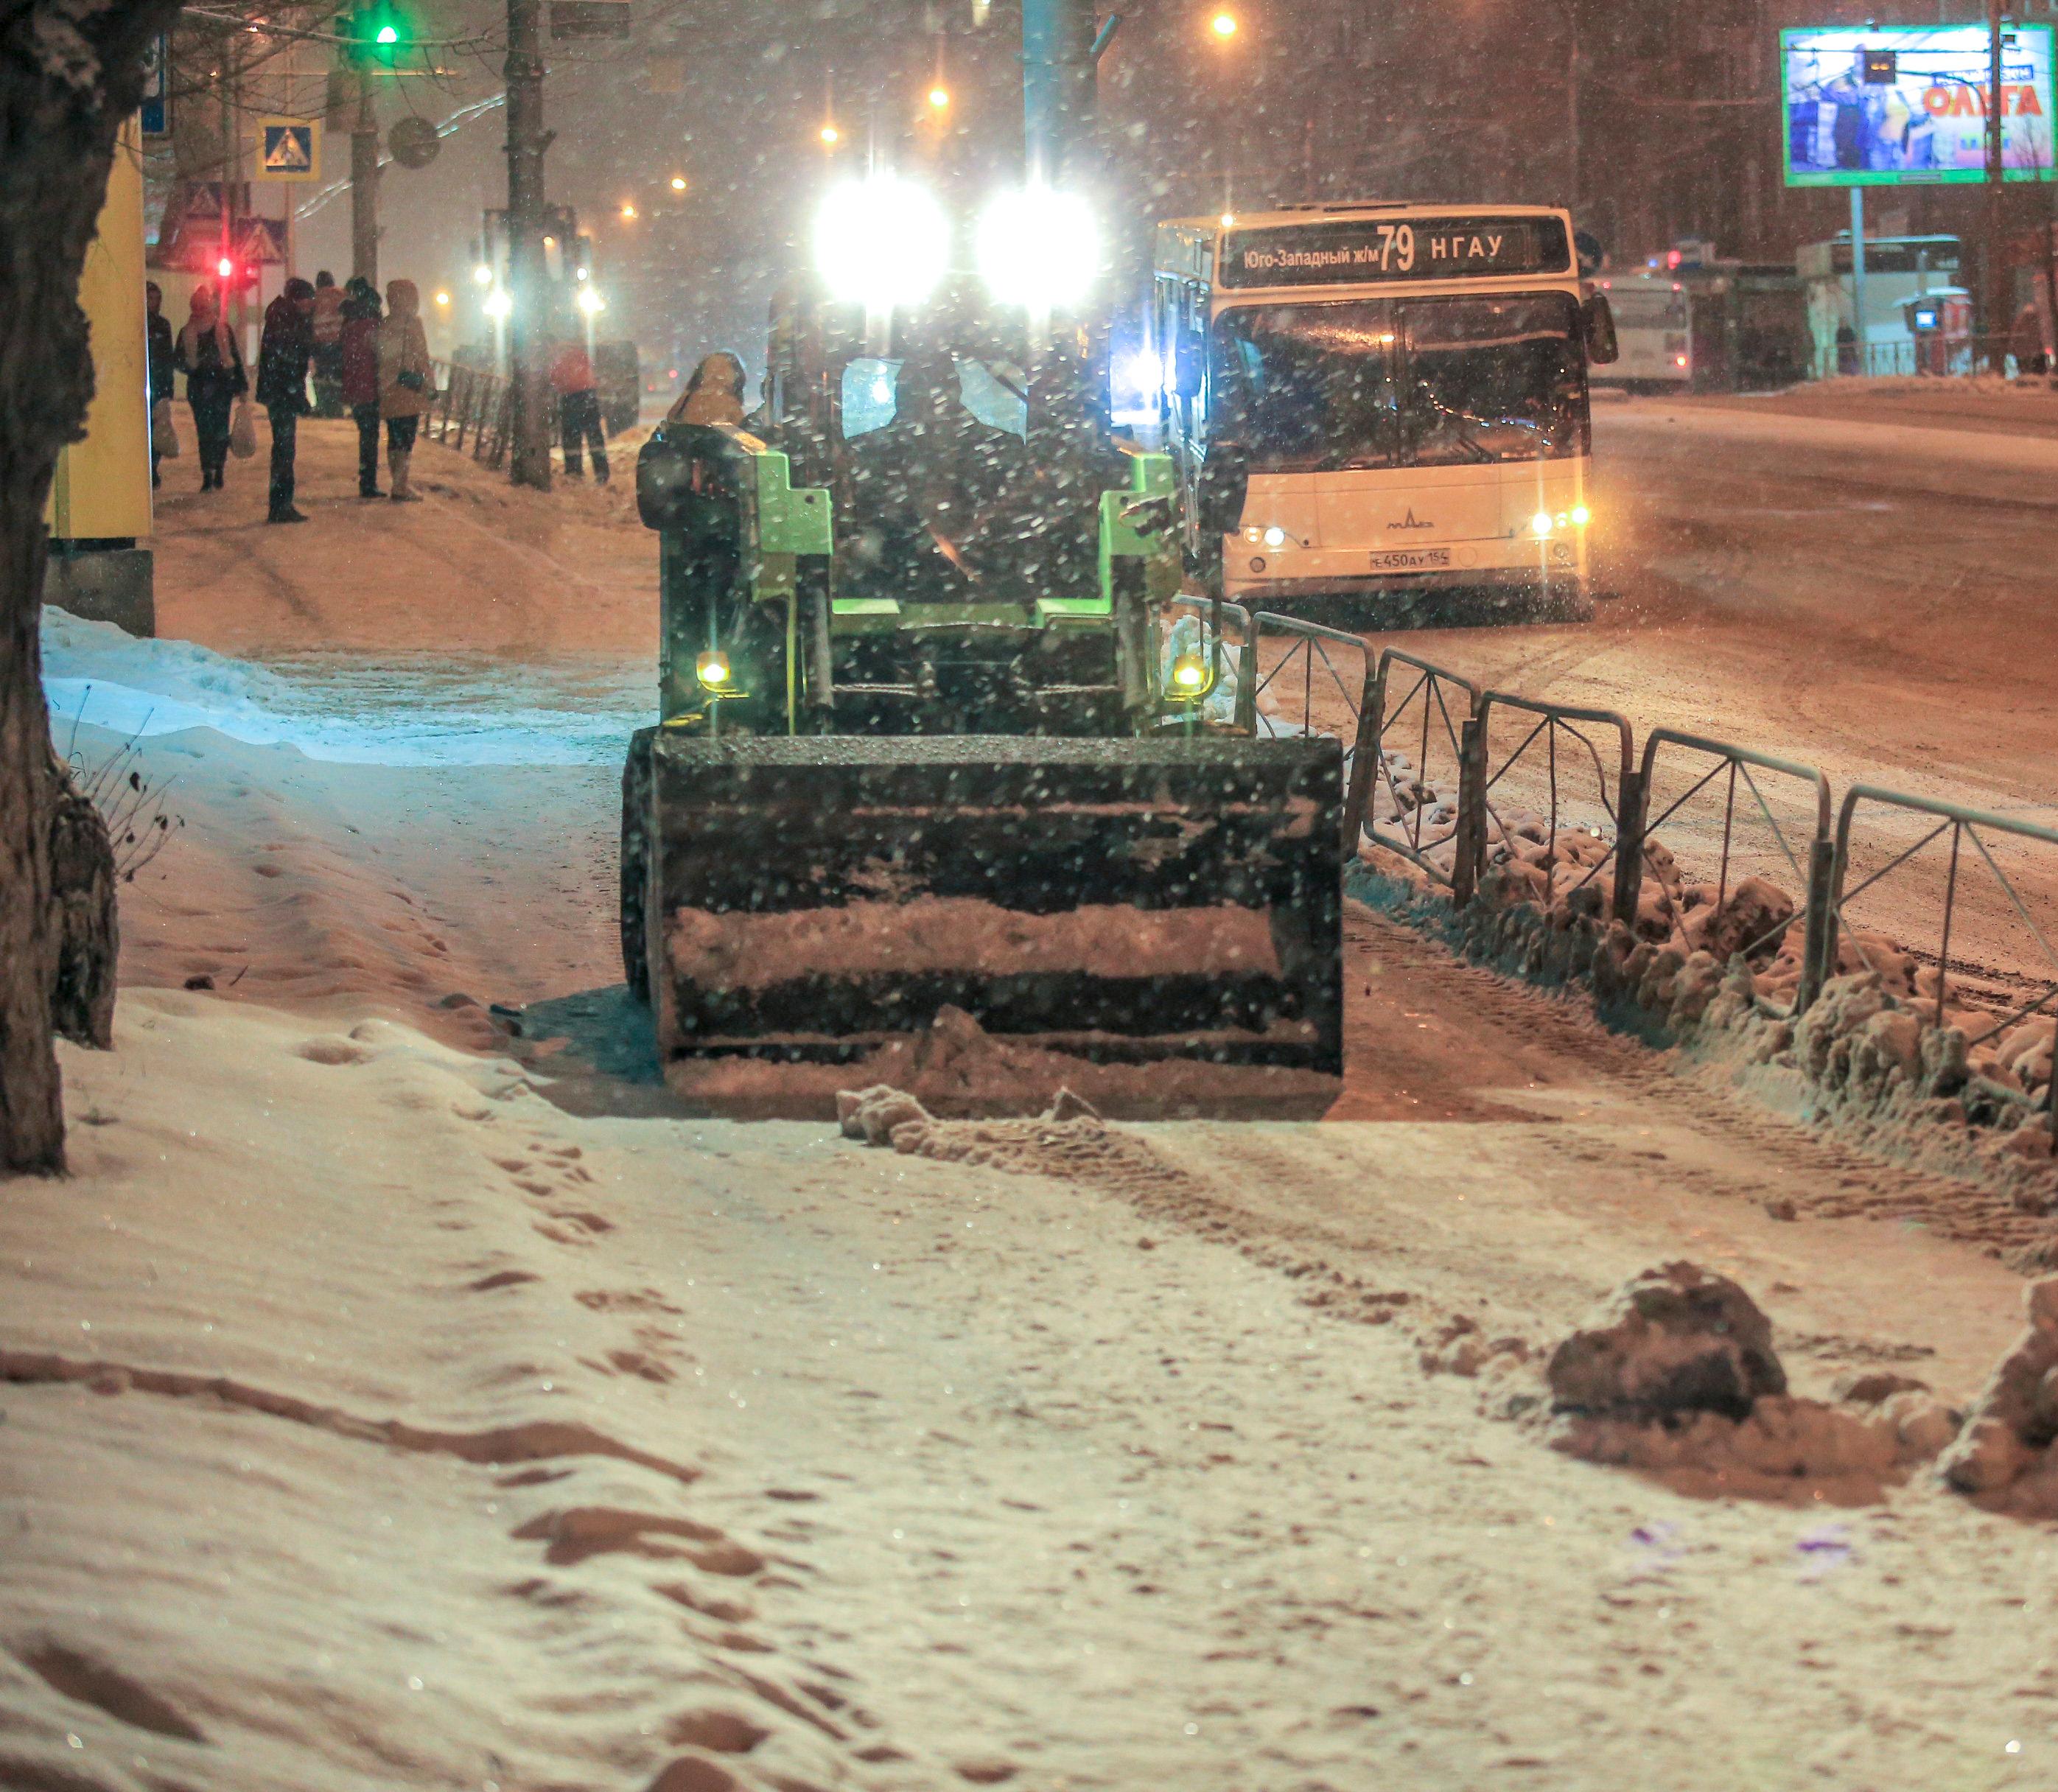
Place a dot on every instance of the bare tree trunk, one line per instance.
(70, 72)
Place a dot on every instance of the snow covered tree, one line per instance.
(70, 72)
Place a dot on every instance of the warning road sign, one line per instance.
(288, 149)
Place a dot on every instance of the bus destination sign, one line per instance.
(1353, 252)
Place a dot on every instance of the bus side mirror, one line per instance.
(1224, 484)
(1597, 325)
(1189, 364)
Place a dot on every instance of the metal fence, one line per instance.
(1796, 828)
(1933, 357)
(1548, 765)
(1309, 645)
(1971, 839)
(470, 404)
(1576, 766)
(1390, 711)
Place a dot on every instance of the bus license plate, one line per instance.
(1409, 560)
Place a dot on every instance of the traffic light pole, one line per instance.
(528, 345)
(1999, 321)
(364, 185)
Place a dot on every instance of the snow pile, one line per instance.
(418, 710)
(1675, 1374)
(1722, 968)
(2007, 1452)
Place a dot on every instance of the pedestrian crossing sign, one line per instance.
(288, 149)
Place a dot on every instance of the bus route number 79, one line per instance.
(1396, 241)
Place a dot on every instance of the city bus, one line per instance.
(1714, 327)
(1405, 387)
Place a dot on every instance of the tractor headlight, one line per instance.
(1191, 676)
(712, 669)
(881, 243)
(1039, 248)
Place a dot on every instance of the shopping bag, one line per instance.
(243, 431)
(164, 433)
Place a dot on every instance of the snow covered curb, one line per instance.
(1867, 1058)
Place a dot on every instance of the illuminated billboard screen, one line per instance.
(1909, 107)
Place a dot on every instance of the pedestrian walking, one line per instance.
(282, 387)
(578, 410)
(163, 359)
(360, 377)
(714, 394)
(206, 354)
(406, 380)
(327, 360)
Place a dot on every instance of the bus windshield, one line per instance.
(1428, 382)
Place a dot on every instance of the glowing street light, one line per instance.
(939, 98)
(628, 212)
(831, 137)
(482, 275)
(1224, 26)
(443, 297)
(678, 183)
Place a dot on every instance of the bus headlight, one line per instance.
(1542, 524)
(1581, 516)
(1039, 248)
(1275, 537)
(712, 669)
(1190, 677)
(881, 243)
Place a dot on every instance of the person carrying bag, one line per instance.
(407, 382)
(207, 354)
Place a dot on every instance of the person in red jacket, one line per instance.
(360, 377)
(578, 410)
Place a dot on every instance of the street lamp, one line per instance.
(1224, 26)
(831, 137)
(939, 98)
(678, 183)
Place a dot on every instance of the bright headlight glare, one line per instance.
(1581, 516)
(712, 669)
(1541, 523)
(1039, 248)
(1189, 675)
(1275, 537)
(881, 243)
(589, 301)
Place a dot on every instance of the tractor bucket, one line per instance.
(1156, 923)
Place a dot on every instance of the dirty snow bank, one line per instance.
(1720, 971)
(412, 711)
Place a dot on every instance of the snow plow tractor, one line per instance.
(940, 791)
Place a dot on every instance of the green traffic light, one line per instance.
(387, 35)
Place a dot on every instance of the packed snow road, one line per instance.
(594, 1446)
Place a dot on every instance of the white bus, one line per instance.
(1406, 386)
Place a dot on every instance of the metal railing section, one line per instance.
(471, 403)
(1810, 858)
(1966, 826)
(1313, 644)
(1555, 722)
(1430, 688)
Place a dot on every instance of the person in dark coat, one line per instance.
(282, 387)
(163, 353)
(360, 377)
(206, 354)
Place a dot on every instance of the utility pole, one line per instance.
(364, 185)
(527, 340)
(1997, 319)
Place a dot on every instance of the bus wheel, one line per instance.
(1565, 603)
